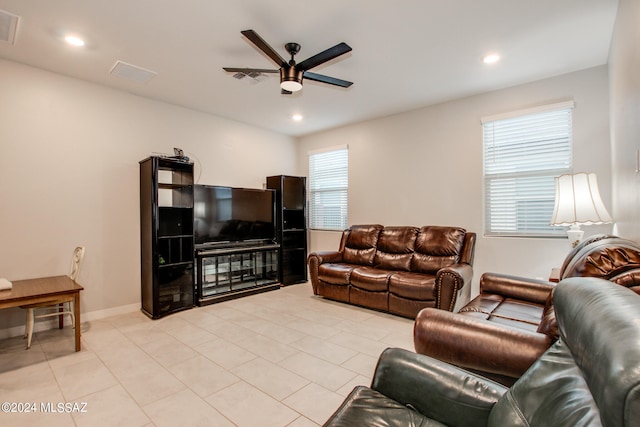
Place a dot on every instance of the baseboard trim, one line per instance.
(17, 331)
(109, 312)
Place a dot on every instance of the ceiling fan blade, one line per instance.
(248, 70)
(326, 79)
(285, 92)
(263, 46)
(324, 56)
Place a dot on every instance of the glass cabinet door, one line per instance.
(229, 273)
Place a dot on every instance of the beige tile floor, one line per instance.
(280, 358)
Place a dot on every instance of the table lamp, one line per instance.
(578, 202)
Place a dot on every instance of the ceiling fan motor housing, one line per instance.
(291, 74)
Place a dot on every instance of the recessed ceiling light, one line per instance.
(74, 40)
(491, 58)
(297, 117)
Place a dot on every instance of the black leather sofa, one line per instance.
(589, 377)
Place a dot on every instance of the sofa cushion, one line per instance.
(395, 248)
(413, 285)
(437, 247)
(336, 274)
(519, 311)
(370, 278)
(360, 244)
(482, 306)
(365, 406)
(505, 311)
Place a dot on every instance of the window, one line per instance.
(328, 184)
(522, 154)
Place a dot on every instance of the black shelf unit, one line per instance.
(291, 226)
(166, 236)
(229, 272)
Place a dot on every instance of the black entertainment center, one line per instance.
(202, 244)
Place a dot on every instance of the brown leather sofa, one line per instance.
(502, 331)
(399, 270)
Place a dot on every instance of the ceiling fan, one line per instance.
(292, 74)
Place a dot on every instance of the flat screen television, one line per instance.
(230, 215)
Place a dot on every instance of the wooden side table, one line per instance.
(555, 275)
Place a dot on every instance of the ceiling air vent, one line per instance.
(132, 72)
(8, 26)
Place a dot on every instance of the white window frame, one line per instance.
(328, 188)
(523, 152)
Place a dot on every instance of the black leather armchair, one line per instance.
(589, 377)
(409, 389)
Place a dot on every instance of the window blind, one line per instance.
(328, 185)
(522, 155)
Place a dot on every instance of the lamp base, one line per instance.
(575, 235)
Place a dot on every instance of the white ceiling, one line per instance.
(406, 53)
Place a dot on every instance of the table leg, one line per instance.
(61, 317)
(76, 310)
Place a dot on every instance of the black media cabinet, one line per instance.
(228, 272)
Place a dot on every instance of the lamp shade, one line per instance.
(578, 201)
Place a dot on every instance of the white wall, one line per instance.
(69, 175)
(424, 167)
(624, 65)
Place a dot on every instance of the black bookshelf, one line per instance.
(166, 236)
(291, 226)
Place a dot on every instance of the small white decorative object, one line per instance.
(5, 284)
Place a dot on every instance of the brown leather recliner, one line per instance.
(502, 331)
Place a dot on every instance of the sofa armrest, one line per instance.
(436, 389)
(449, 281)
(521, 288)
(315, 259)
(327, 256)
(477, 344)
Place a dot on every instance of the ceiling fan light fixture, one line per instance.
(291, 85)
(290, 79)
